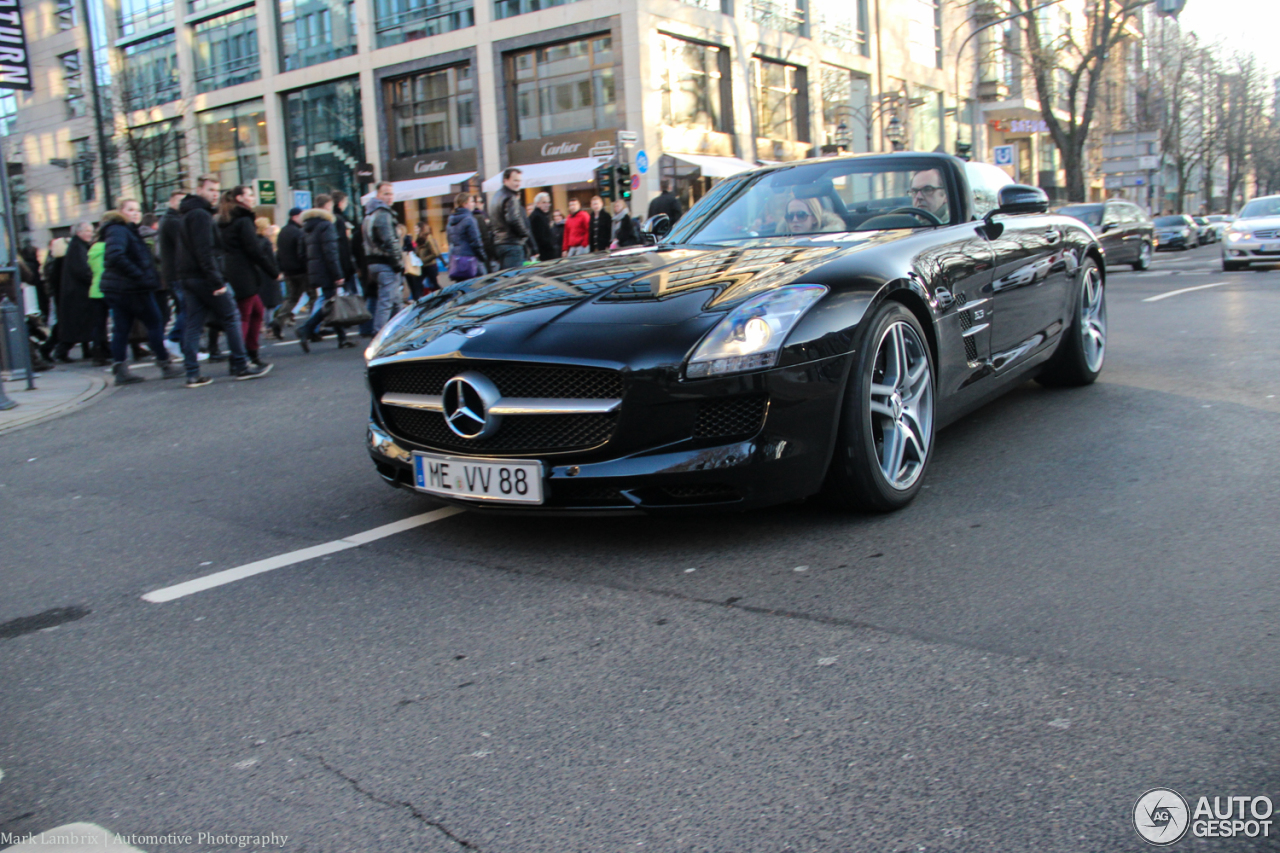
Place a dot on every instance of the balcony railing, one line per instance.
(781, 16)
(232, 72)
(422, 20)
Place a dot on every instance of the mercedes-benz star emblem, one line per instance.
(467, 399)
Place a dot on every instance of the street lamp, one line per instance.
(895, 133)
(843, 137)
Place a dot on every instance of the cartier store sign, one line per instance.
(432, 165)
(564, 146)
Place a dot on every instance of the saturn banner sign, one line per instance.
(15, 62)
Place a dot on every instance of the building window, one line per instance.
(324, 136)
(73, 80)
(234, 140)
(226, 50)
(397, 21)
(924, 31)
(509, 8)
(139, 16)
(433, 111)
(843, 25)
(787, 16)
(781, 101)
(149, 72)
(315, 31)
(8, 111)
(82, 169)
(562, 88)
(926, 119)
(846, 109)
(156, 160)
(693, 78)
(64, 13)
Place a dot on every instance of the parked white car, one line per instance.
(1254, 236)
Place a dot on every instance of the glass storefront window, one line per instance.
(397, 21)
(563, 88)
(509, 8)
(779, 97)
(324, 136)
(226, 50)
(234, 141)
(138, 16)
(315, 31)
(432, 111)
(692, 77)
(149, 72)
(846, 100)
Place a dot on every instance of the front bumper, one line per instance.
(1172, 241)
(1252, 251)
(786, 459)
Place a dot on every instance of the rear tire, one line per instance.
(885, 440)
(1083, 346)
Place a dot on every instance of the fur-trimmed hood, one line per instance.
(111, 217)
(316, 213)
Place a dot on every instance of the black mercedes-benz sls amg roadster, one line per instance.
(804, 328)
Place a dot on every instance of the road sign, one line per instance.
(635, 182)
(1003, 155)
(602, 149)
(266, 191)
(302, 199)
(628, 137)
(642, 162)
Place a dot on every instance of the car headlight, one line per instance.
(371, 351)
(750, 337)
(1234, 236)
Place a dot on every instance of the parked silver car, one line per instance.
(1254, 237)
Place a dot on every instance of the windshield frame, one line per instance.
(731, 189)
(1176, 220)
(1270, 201)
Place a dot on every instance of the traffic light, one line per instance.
(624, 181)
(604, 181)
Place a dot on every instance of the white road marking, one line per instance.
(355, 540)
(1187, 290)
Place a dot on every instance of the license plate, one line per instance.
(1270, 247)
(506, 480)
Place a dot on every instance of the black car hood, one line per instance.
(605, 308)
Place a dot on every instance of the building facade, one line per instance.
(441, 95)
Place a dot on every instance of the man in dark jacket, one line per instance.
(600, 226)
(324, 266)
(383, 252)
(485, 226)
(345, 230)
(129, 284)
(543, 232)
(667, 203)
(203, 283)
(512, 237)
(167, 247)
(291, 254)
(76, 320)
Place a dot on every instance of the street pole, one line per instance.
(97, 109)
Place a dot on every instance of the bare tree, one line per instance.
(154, 154)
(1242, 90)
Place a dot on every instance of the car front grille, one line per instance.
(1270, 234)
(517, 434)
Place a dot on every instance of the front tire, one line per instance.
(885, 440)
(1144, 257)
(1232, 266)
(1083, 347)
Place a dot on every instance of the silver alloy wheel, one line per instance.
(1093, 319)
(901, 405)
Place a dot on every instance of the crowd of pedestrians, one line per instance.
(209, 270)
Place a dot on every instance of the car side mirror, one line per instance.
(1015, 199)
(657, 226)
(1107, 226)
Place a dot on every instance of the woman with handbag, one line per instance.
(426, 248)
(467, 257)
(325, 268)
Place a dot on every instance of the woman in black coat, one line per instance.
(76, 316)
(244, 262)
(129, 284)
(324, 265)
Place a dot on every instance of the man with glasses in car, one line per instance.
(929, 193)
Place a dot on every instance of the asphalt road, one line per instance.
(1082, 605)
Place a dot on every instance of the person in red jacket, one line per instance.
(577, 240)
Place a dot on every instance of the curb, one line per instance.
(17, 419)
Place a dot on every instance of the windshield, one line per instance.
(1200, 220)
(1166, 221)
(1090, 215)
(1261, 207)
(831, 197)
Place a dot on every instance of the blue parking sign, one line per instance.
(642, 162)
(302, 199)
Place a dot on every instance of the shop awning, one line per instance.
(426, 187)
(549, 174)
(715, 167)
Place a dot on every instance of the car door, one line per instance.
(1112, 234)
(1028, 286)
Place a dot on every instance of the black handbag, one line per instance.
(346, 310)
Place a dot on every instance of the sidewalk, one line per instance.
(58, 392)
